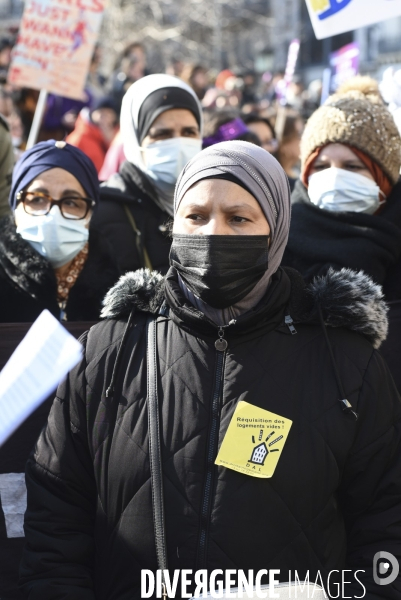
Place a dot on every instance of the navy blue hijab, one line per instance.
(49, 155)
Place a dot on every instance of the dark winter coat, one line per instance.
(130, 190)
(13, 456)
(28, 284)
(333, 501)
(320, 239)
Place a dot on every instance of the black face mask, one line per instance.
(220, 269)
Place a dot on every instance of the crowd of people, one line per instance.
(92, 123)
(252, 249)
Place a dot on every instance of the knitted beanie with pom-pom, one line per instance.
(357, 117)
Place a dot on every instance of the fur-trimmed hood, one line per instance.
(346, 298)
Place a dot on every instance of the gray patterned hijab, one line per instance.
(263, 176)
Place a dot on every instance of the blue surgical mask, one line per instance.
(54, 237)
(164, 161)
(339, 190)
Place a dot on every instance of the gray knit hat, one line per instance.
(356, 116)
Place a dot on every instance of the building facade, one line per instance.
(10, 15)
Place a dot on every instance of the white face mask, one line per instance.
(338, 190)
(165, 160)
(54, 237)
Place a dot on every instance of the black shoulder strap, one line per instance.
(156, 475)
(138, 239)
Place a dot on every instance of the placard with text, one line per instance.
(331, 17)
(55, 45)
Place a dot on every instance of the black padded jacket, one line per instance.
(129, 217)
(333, 502)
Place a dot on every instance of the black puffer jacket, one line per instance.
(333, 501)
(130, 190)
(13, 456)
(320, 240)
(28, 284)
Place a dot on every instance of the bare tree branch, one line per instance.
(201, 31)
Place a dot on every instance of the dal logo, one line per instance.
(327, 8)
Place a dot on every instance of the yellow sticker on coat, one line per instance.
(254, 441)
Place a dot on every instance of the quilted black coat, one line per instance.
(333, 502)
(131, 192)
(320, 239)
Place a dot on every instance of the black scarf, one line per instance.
(136, 180)
(266, 316)
(320, 239)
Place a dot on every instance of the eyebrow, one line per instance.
(160, 131)
(72, 192)
(355, 160)
(234, 207)
(39, 189)
(44, 190)
(167, 131)
(229, 209)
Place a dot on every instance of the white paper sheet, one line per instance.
(13, 502)
(38, 364)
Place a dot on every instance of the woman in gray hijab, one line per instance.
(240, 175)
(225, 418)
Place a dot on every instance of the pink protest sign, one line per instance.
(344, 64)
(55, 44)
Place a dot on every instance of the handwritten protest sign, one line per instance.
(331, 17)
(55, 45)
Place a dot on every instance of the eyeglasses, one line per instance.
(39, 204)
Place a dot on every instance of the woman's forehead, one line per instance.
(219, 194)
(337, 151)
(216, 189)
(56, 178)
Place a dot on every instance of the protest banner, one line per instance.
(282, 87)
(55, 44)
(344, 64)
(54, 48)
(284, 84)
(331, 17)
